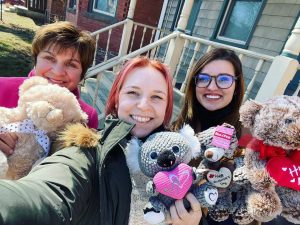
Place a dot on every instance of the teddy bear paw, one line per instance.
(264, 206)
(241, 216)
(153, 216)
(219, 214)
(261, 180)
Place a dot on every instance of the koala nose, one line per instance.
(166, 159)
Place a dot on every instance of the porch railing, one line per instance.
(140, 36)
(193, 49)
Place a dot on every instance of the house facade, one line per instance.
(262, 26)
(93, 15)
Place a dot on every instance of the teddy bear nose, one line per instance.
(166, 159)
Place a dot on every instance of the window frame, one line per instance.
(104, 12)
(72, 4)
(223, 19)
(192, 19)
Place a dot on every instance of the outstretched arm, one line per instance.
(56, 192)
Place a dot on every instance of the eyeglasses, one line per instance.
(223, 81)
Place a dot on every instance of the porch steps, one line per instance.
(106, 80)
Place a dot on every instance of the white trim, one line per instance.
(161, 18)
(224, 38)
(104, 12)
(226, 15)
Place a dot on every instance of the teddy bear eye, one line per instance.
(153, 155)
(289, 121)
(175, 149)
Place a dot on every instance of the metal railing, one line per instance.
(193, 49)
(141, 35)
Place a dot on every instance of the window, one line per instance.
(72, 4)
(193, 16)
(107, 7)
(237, 22)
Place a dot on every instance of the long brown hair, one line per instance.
(190, 111)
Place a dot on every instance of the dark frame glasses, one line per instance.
(222, 80)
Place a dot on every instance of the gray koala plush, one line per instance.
(163, 158)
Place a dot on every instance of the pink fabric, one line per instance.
(9, 96)
(174, 183)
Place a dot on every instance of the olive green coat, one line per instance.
(74, 186)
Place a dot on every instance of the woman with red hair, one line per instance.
(93, 185)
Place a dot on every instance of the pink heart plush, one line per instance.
(175, 183)
(285, 172)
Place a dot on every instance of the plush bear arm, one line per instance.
(198, 174)
(11, 115)
(154, 211)
(45, 115)
(256, 171)
(150, 187)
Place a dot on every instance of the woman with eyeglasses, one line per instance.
(214, 94)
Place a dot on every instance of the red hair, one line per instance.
(130, 65)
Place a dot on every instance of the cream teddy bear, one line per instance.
(43, 110)
(272, 158)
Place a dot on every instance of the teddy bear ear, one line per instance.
(132, 155)
(188, 132)
(30, 82)
(248, 112)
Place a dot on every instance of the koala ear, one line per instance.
(188, 132)
(32, 81)
(248, 112)
(132, 155)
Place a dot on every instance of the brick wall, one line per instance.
(146, 12)
(15, 2)
(88, 21)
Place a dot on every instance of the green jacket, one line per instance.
(74, 186)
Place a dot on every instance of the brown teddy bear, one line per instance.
(43, 110)
(272, 158)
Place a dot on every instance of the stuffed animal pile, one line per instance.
(161, 162)
(272, 158)
(43, 110)
(218, 153)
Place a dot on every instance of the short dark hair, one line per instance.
(65, 35)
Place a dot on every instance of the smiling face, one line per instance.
(143, 100)
(213, 98)
(59, 67)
